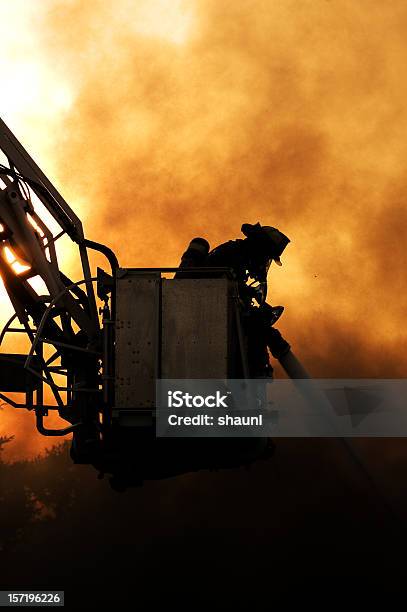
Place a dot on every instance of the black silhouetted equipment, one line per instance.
(98, 368)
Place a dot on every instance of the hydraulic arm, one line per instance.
(65, 319)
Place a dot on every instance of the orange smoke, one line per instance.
(190, 118)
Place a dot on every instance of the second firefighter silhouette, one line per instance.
(249, 260)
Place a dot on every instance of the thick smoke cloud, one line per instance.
(287, 113)
(190, 118)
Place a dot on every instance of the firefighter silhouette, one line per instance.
(249, 260)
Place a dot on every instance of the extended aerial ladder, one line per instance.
(66, 317)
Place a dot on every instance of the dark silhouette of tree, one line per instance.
(309, 510)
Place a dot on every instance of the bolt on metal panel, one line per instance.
(137, 336)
